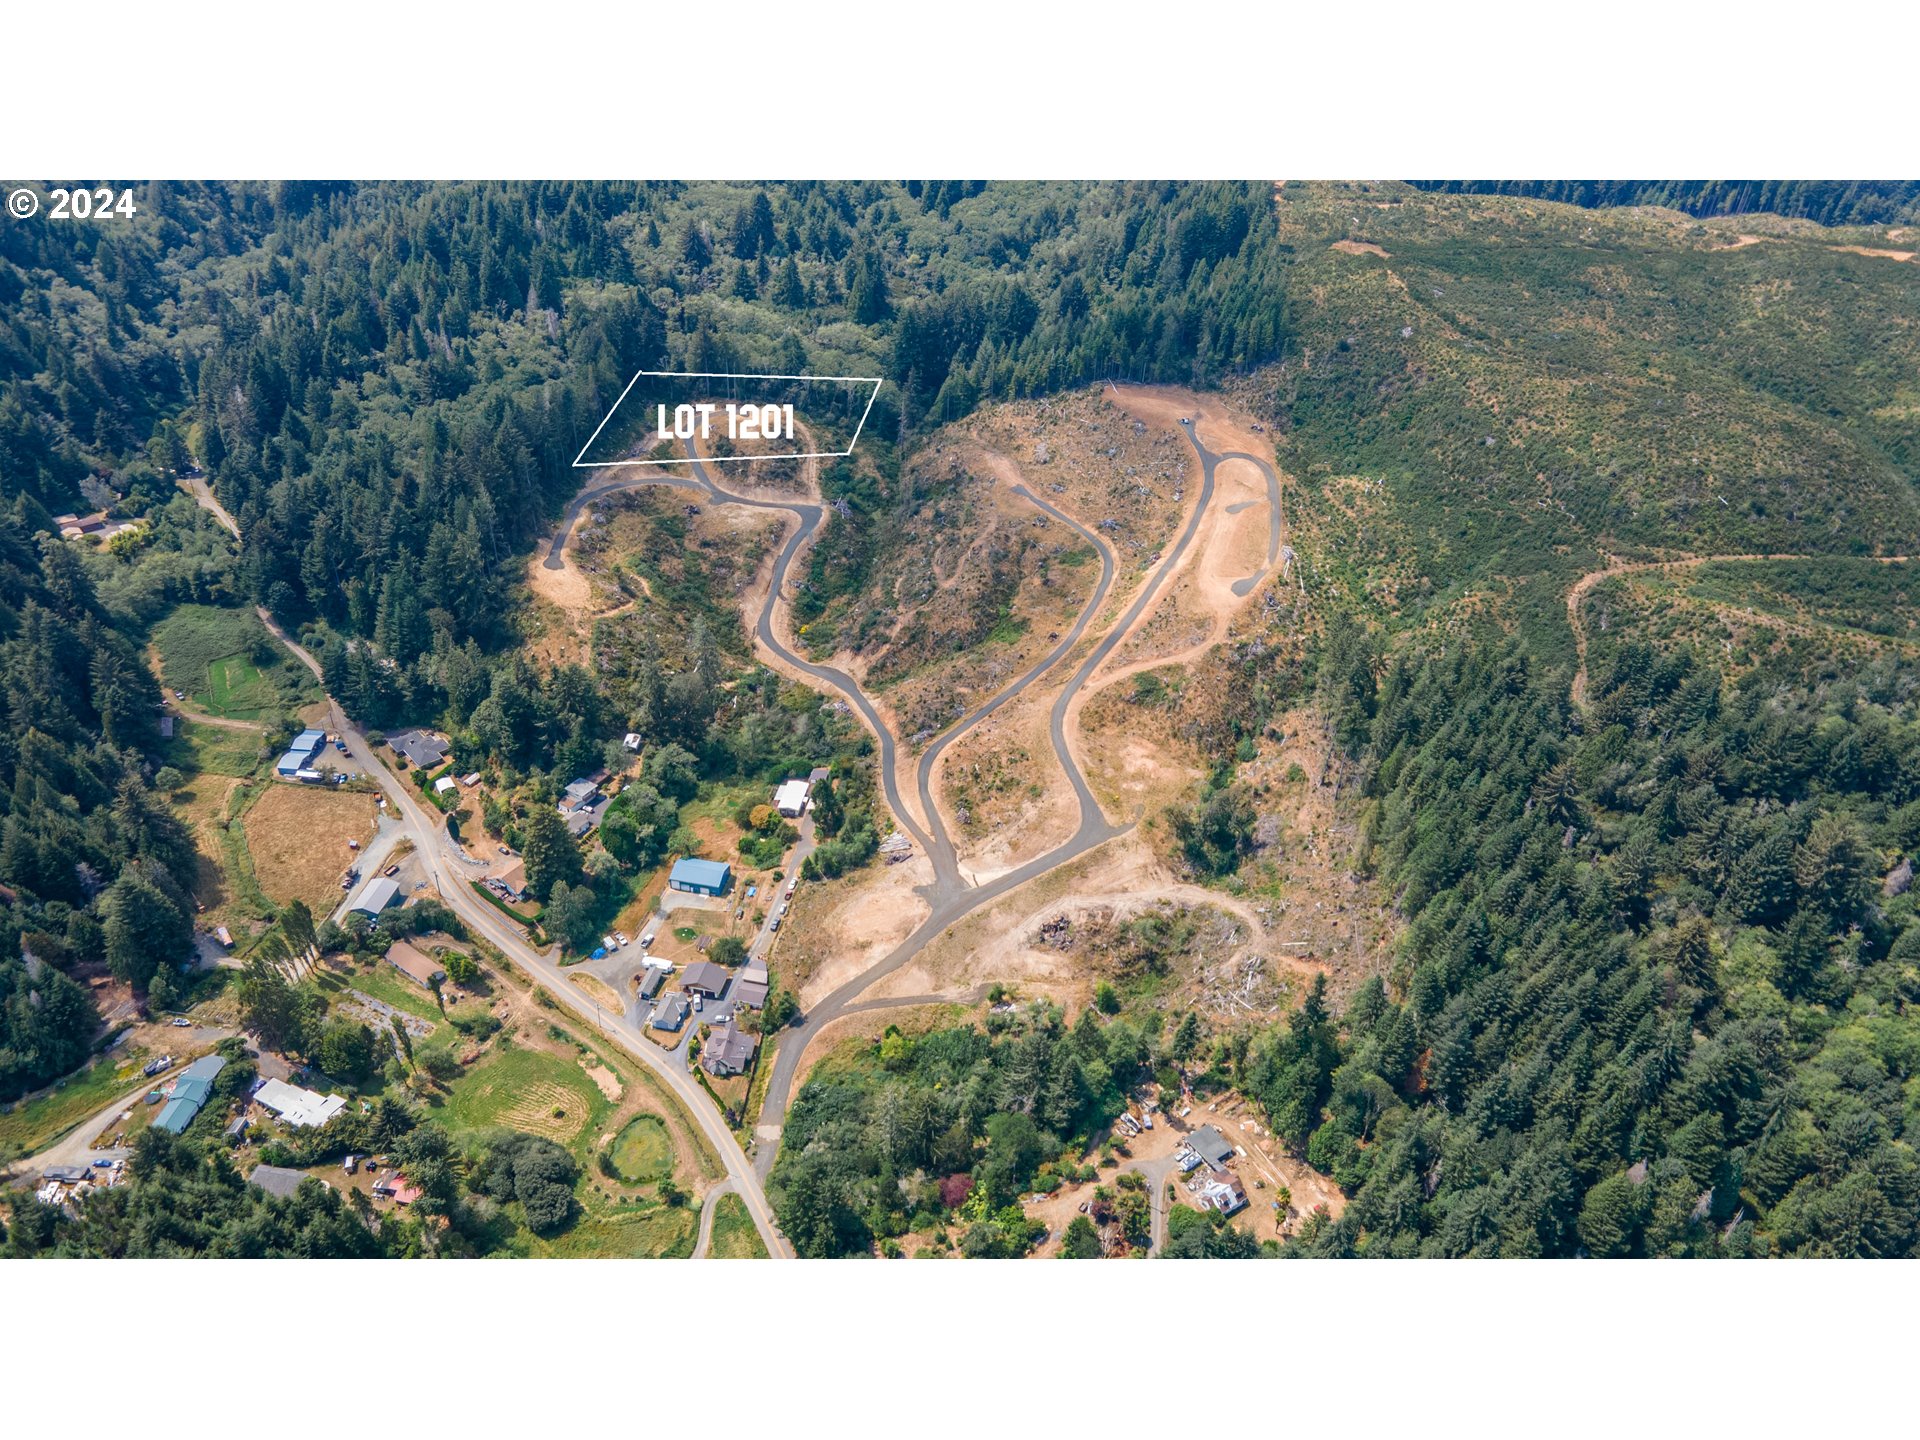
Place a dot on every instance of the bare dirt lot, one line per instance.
(839, 928)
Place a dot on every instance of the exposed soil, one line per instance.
(608, 1082)
(1880, 254)
(838, 929)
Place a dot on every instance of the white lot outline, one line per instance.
(580, 463)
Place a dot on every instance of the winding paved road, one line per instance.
(949, 896)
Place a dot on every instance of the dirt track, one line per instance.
(1578, 593)
(1207, 549)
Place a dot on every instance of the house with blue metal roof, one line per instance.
(700, 877)
(191, 1090)
(205, 1068)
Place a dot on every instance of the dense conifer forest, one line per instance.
(1655, 992)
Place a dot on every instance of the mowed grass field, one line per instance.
(226, 663)
(734, 1237)
(523, 1089)
(235, 686)
(539, 1092)
(297, 835)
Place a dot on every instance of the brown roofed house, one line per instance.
(703, 977)
(514, 877)
(416, 964)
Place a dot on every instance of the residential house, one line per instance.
(416, 964)
(727, 1050)
(420, 748)
(703, 977)
(513, 879)
(1207, 1146)
(191, 1090)
(751, 988)
(791, 798)
(671, 1013)
(298, 1107)
(1221, 1192)
(397, 1188)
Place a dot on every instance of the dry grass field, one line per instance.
(298, 837)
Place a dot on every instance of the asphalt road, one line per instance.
(949, 897)
(950, 900)
(433, 847)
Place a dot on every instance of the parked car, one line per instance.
(505, 851)
(391, 871)
(103, 1164)
(180, 1022)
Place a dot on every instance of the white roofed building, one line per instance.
(299, 1107)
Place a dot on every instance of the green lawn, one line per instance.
(235, 685)
(229, 665)
(383, 982)
(643, 1151)
(34, 1124)
(520, 1089)
(734, 1237)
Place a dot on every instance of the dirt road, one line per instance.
(949, 895)
(1577, 595)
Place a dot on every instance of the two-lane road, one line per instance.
(432, 845)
